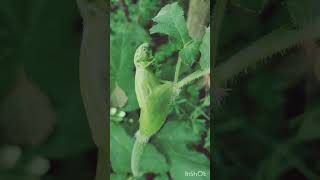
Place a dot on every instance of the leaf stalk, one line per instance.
(195, 75)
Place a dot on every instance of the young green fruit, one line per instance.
(154, 98)
(156, 109)
(145, 80)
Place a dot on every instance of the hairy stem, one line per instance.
(275, 42)
(192, 77)
(137, 151)
(178, 67)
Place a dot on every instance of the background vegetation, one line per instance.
(266, 119)
(44, 132)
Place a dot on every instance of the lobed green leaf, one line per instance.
(170, 21)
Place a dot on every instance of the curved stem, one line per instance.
(178, 67)
(93, 61)
(102, 165)
(192, 77)
(137, 151)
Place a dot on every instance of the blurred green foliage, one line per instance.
(44, 132)
(267, 125)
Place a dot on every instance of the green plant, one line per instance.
(155, 96)
(139, 82)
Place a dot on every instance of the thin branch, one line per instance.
(192, 77)
(275, 42)
(177, 72)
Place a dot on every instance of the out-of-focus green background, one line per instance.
(267, 119)
(44, 133)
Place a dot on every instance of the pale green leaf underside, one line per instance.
(270, 44)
